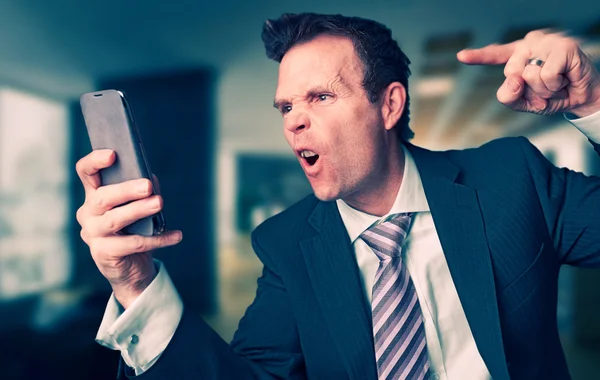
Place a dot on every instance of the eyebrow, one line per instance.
(337, 82)
(278, 103)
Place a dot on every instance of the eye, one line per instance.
(324, 97)
(285, 109)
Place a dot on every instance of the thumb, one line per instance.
(511, 93)
(489, 55)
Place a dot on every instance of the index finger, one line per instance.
(493, 54)
(88, 167)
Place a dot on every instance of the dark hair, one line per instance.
(383, 60)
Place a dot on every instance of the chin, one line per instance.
(326, 195)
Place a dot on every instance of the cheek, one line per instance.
(349, 131)
(353, 153)
(357, 134)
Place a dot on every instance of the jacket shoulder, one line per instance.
(504, 155)
(497, 163)
(502, 148)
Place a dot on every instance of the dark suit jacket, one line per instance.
(507, 220)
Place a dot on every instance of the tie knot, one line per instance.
(386, 238)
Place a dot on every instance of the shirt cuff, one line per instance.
(143, 331)
(589, 125)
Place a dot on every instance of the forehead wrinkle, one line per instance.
(338, 84)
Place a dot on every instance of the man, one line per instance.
(405, 263)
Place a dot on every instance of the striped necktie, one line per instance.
(399, 335)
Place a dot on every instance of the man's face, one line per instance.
(336, 133)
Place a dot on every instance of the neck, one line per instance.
(377, 195)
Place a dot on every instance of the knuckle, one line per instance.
(534, 34)
(553, 38)
(83, 234)
(91, 228)
(139, 244)
(511, 70)
(546, 74)
(567, 44)
(79, 166)
(549, 78)
(530, 76)
(549, 39)
(110, 225)
(79, 215)
(96, 248)
(99, 199)
(522, 47)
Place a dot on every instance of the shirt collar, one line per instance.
(410, 198)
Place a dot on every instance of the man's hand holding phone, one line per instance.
(125, 260)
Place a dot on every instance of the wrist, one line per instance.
(591, 107)
(127, 292)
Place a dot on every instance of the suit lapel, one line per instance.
(458, 220)
(334, 275)
(460, 227)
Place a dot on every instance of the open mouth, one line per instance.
(309, 156)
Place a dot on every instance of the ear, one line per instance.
(392, 104)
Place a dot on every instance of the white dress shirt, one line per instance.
(450, 344)
(143, 331)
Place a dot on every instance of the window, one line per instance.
(34, 250)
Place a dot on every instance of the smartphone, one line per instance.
(110, 125)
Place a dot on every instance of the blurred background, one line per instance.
(201, 89)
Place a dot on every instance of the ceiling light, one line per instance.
(432, 87)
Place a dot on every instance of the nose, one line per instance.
(297, 123)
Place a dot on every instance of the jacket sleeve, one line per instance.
(265, 346)
(571, 205)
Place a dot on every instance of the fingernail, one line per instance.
(106, 154)
(178, 236)
(513, 85)
(143, 187)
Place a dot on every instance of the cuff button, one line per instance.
(134, 339)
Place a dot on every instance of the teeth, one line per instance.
(307, 153)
